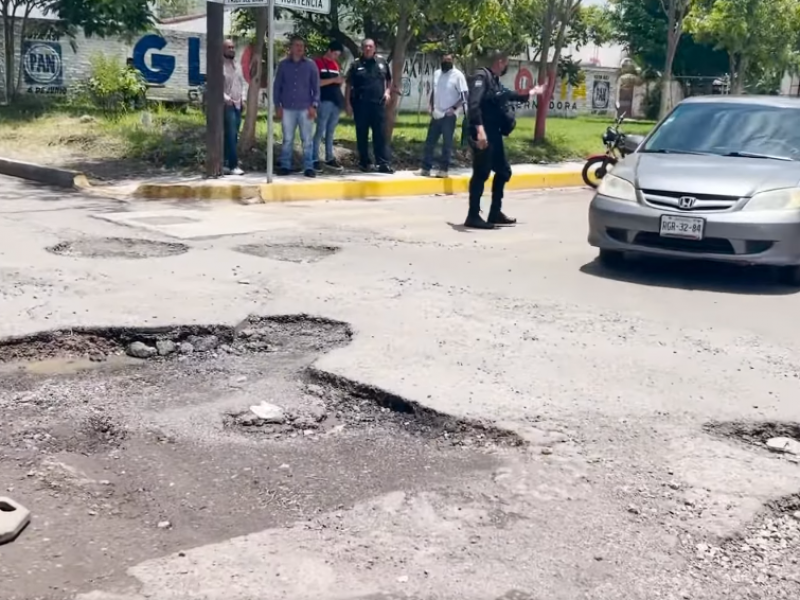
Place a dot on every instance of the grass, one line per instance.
(135, 143)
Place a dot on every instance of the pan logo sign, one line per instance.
(43, 67)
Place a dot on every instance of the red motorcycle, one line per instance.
(618, 146)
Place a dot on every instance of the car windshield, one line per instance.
(725, 128)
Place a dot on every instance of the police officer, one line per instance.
(369, 87)
(491, 117)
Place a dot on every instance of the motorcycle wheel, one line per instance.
(595, 169)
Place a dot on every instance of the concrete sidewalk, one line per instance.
(348, 186)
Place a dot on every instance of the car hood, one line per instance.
(713, 175)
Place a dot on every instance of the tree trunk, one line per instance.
(248, 138)
(568, 11)
(666, 76)
(22, 29)
(741, 76)
(9, 9)
(399, 49)
(543, 102)
(215, 88)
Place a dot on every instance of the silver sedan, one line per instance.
(717, 179)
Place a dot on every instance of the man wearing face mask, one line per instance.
(448, 95)
(491, 117)
(234, 86)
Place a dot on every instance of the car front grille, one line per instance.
(706, 246)
(702, 202)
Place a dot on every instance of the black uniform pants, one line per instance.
(491, 158)
(371, 116)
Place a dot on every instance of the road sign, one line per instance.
(322, 7)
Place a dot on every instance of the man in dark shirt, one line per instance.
(331, 103)
(369, 85)
(489, 120)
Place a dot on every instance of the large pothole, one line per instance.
(128, 458)
(113, 247)
(296, 253)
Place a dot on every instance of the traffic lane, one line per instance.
(19, 196)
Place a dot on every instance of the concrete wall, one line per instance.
(173, 62)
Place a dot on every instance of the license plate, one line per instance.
(687, 228)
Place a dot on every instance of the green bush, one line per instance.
(113, 86)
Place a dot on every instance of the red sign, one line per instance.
(524, 81)
(247, 56)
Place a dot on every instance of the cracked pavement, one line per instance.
(610, 377)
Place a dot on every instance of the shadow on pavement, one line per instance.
(694, 275)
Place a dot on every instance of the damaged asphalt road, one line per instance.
(467, 416)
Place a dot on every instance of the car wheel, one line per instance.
(790, 276)
(611, 258)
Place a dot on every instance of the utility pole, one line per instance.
(215, 87)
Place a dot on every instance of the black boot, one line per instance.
(498, 218)
(475, 221)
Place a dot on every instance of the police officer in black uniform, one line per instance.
(369, 85)
(491, 117)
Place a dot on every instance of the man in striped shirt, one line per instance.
(331, 104)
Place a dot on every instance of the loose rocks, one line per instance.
(269, 413)
(13, 519)
(166, 347)
(784, 445)
(141, 350)
(127, 248)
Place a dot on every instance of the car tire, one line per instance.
(611, 258)
(790, 276)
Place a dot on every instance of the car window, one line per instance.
(722, 128)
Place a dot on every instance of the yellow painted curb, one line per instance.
(202, 191)
(348, 189)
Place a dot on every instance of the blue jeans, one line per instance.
(293, 120)
(233, 120)
(327, 120)
(444, 128)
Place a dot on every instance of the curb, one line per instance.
(338, 189)
(63, 178)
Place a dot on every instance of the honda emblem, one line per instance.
(686, 202)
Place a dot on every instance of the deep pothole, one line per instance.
(296, 253)
(114, 247)
(331, 403)
(155, 455)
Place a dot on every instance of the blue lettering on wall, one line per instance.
(196, 78)
(161, 67)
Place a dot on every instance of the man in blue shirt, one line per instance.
(296, 97)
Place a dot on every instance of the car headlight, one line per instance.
(617, 188)
(785, 199)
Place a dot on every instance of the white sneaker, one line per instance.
(237, 171)
(442, 174)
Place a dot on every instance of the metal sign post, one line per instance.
(322, 7)
(270, 94)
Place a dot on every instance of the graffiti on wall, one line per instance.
(151, 59)
(43, 67)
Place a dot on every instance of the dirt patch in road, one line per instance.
(129, 459)
(128, 248)
(296, 253)
(755, 433)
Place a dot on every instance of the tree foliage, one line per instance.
(641, 26)
(759, 36)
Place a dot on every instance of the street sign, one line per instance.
(322, 7)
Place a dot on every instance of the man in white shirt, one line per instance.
(449, 94)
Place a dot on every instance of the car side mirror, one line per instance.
(632, 142)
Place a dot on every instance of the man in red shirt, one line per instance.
(331, 104)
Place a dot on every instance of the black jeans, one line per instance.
(492, 158)
(444, 128)
(371, 116)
